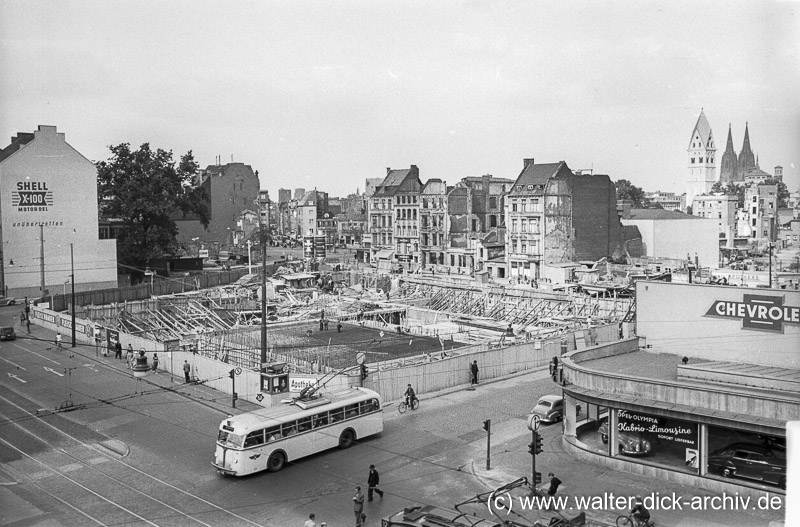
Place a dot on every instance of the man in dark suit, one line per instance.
(373, 480)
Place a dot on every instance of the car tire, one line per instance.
(276, 462)
(727, 473)
(604, 438)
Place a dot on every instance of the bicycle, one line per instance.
(629, 521)
(403, 406)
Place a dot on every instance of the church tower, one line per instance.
(729, 164)
(747, 159)
(702, 173)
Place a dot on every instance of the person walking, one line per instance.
(118, 350)
(28, 324)
(339, 327)
(27, 309)
(155, 362)
(129, 356)
(474, 370)
(358, 506)
(310, 521)
(373, 480)
(186, 371)
(58, 342)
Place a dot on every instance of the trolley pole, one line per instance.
(232, 374)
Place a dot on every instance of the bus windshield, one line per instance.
(230, 438)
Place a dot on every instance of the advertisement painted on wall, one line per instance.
(757, 312)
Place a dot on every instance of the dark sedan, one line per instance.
(749, 461)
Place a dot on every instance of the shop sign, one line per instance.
(757, 312)
(661, 427)
(298, 384)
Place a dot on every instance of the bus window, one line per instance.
(320, 420)
(369, 406)
(337, 415)
(351, 410)
(289, 429)
(273, 433)
(304, 424)
(229, 437)
(254, 438)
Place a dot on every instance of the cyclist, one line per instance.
(410, 396)
(640, 513)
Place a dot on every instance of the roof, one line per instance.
(17, 142)
(660, 214)
(703, 129)
(392, 180)
(385, 254)
(536, 175)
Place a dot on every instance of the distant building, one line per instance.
(299, 193)
(394, 216)
(670, 234)
(761, 214)
(701, 152)
(232, 189)
(434, 223)
(49, 218)
(554, 216)
(720, 207)
(667, 200)
(284, 195)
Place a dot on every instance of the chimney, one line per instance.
(528, 162)
(388, 169)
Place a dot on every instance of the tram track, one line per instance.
(95, 486)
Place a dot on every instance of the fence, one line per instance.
(146, 290)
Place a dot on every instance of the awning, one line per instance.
(384, 255)
(297, 276)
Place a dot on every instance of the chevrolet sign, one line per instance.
(759, 312)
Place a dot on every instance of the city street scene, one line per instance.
(452, 264)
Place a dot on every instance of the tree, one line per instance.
(731, 189)
(628, 191)
(145, 190)
(783, 192)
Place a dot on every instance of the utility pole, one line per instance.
(234, 396)
(41, 258)
(72, 277)
(487, 425)
(771, 247)
(263, 236)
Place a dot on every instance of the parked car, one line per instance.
(749, 461)
(629, 443)
(7, 333)
(549, 408)
(7, 301)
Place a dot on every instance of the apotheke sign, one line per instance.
(757, 312)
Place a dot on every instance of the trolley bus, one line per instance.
(267, 439)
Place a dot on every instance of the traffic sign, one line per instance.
(533, 422)
(361, 357)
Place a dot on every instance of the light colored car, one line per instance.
(550, 408)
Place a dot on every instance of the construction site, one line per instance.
(319, 322)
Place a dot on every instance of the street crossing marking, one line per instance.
(51, 370)
(17, 378)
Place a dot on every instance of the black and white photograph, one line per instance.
(465, 263)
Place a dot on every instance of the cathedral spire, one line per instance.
(746, 158)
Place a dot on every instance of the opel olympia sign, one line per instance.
(758, 312)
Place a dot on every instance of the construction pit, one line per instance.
(394, 320)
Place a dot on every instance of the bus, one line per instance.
(269, 438)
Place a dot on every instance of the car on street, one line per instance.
(549, 408)
(7, 333)
(7, 301)
(749, 461)
(629, 443)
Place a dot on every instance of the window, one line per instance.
(273, 433)
(304, 424)
(513, 207)
(254, 438)
(337, 415)
(289, 429)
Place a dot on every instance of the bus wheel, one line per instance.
(346, 439)
(276, 462)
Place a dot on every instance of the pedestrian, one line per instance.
(129, 356)
(321, 324)
(339, 327)
(310, 521)
(474, 370)
(326, 324)
(358, 506)
(28, 324)
(118, 350)
(21, 317)
(27, 309)
(361, 522)
(186, 370)
(373, 480)
(551, 491)
(155, 362)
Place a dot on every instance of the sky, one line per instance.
(326, 94)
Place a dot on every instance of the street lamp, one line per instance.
(771, 248)
(65, 286)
